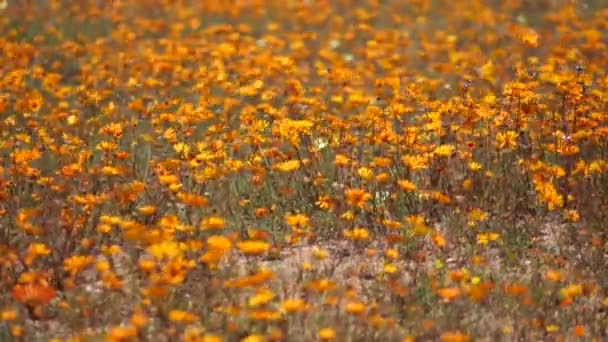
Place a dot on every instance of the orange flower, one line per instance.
(453, 336)
(357, 197)
(265, 315)
(260, 212)
(255, 279)
(578, 330)
(438, 240)
(193, 200)
(322, 285)
(553, 276)
(449, 293)
(355, 308)
(121, 333)
(407, 185)
(342, 160)
(34, 101)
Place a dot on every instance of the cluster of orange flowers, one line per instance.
(331, 170)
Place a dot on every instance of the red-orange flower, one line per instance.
(33, 294)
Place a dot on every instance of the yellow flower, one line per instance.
(478, 215)
(552, 328)
(219, 243)
(494, 236)
(168, 179)
(297, 220)
(357, 234)
(165, 249)
(253, 247)
(182, 316)
(147, 210)
(474, 166)
(38, 249)
(8, 315)
(571, 291)
(182, 150)
(506, 140)
(263, 296)
(293, 305)
(76, 264)
(211, 338)
(349, 215)
(327, 334)
(482, 239)
(415, 162)
(110, 250)
(111, 171)
(444, 150)
(392, 253)
(365, 173)
(288, 166)
(212, 222)
(485, 238)
(319, 253)
(390, 269)
(106, 146)
(170, 135)
(72, 120)
(417, 224)
(254, 338)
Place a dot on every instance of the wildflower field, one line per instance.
(311, 170)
